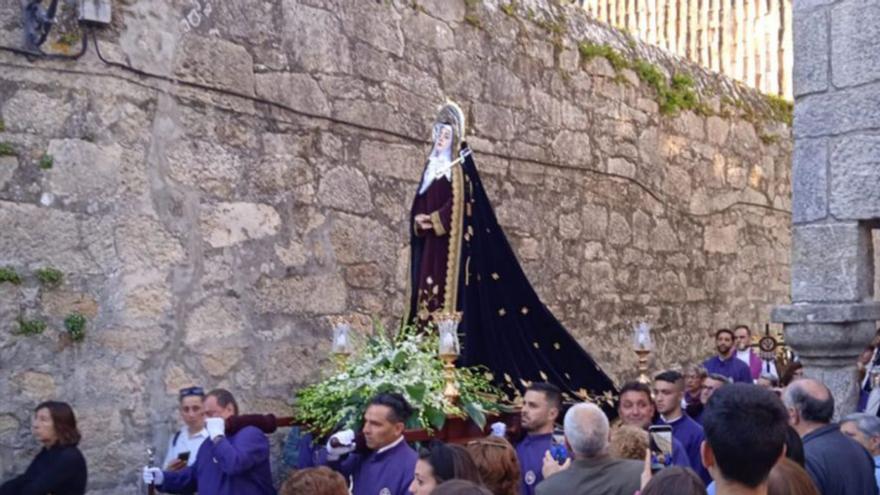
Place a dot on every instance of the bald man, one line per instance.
(828, 452)
(593, 470)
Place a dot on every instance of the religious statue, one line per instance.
(461, 261)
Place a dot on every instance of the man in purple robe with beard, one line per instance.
(542, 404)
(388, 466)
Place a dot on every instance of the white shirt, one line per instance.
(185, 443)
(390, 445)
(744, 356)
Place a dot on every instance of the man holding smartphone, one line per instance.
(184, 444)
(636, 408)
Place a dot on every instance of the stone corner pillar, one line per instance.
(835, 193)
(828, 339)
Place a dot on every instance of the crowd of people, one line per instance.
(734, 426)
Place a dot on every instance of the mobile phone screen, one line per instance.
(661, 442)
(183, 456)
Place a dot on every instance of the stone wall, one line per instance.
(208, 234)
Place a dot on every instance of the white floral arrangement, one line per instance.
(408, 364)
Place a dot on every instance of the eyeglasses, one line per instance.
(190, 391)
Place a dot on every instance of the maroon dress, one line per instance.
(436, 202)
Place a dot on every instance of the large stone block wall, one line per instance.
(836, 192)
(207, 237)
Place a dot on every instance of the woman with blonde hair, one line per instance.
(629, 442)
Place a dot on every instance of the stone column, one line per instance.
(835, 190)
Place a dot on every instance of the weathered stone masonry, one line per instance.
(207, 237)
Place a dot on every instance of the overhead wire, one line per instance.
(388, 132)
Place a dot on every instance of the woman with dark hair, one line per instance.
(675, 480)
(59, 468)
(439, 463)
(793, 372)
(794, 446)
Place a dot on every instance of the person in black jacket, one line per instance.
(59, 468)
(837, 464)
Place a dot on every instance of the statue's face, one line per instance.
(444, 139)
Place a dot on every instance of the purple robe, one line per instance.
(680, 456)
(731, 367)
(530, 452)
(393, 469)
(235, 465)
(690, 434)
(437, 203)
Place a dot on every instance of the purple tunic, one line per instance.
(680, 456)
(236, 465)
(731, 367)
(530, 452)
(392, 469)
(690, 434)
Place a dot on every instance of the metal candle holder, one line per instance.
(642, 346)
(341, 347)
(449, 350)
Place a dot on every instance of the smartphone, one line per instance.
(660, 438)
(183, 456)
(557, 447)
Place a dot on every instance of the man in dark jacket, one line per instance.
(837, 464)
(593, 469)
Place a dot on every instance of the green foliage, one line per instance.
(49, 276)
(407, 364)
(75, 324)
(509, 9)
(6, 149)
(30, 327)
(590, 50)
(46, 161)
(781, 109)
(8, 274)
(2, 125)
(650, 74)
(679, 96)
(555, 27)
(674, 96)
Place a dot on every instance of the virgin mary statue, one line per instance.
(462, 262)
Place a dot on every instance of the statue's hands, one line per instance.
(424, 221)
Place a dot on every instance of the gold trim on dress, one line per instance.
(437, 224)
(453, 261)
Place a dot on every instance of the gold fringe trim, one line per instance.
(453, 261)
